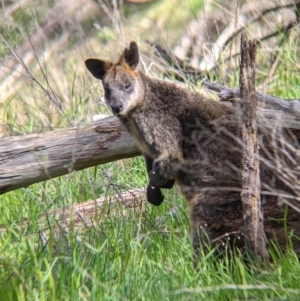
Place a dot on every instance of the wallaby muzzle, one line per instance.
(116, 107)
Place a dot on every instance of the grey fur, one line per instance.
(195, 141)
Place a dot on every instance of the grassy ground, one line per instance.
(141, 253)
(134, 255)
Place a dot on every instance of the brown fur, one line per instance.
(196, 141)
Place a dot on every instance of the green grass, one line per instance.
(138, 253)
(129, 254)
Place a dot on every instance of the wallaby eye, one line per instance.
(127, 87)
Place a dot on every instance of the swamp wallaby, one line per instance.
(196, 142)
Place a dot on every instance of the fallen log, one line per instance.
(25, 160)
(33, 158)
(290, 106)
(78, 217)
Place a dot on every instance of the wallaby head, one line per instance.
(123, 87)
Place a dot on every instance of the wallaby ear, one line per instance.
(131, 56)
(97, 67)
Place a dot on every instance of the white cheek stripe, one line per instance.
(136, 98)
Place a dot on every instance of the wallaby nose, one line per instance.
(117, 107)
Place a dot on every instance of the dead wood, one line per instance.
(29, 159)
(255, 237)
(287, 108)
(78, 217)
(61, 21)
(196, 35)
(88, 214)
(255, 11)
(218, 24)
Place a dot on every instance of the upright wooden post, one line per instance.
(255, 237)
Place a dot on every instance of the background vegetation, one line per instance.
(136, 253)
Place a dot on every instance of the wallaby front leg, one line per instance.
(149, 163)
(161, 176)
(164, 143)
(149, 166)
(154, 195)
(163, 173)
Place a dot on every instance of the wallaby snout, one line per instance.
(116, 107)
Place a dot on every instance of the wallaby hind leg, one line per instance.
(218, 226)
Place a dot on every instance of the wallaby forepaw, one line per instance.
(154, 195)
(169, 184)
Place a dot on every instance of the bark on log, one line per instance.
(29, 159)
(255, 237)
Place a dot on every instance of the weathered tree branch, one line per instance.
(255, 237)
(290, 107)
(217, 25)
(29, 159)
